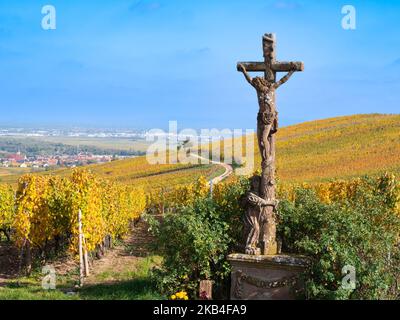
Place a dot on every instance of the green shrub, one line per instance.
(361, 232)
(194, 242)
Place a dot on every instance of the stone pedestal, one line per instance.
(274, 277)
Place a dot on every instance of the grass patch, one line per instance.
(123, 285)
(30, 288)
(135, 289)
(127, 284)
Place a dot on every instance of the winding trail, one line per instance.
(228, 168)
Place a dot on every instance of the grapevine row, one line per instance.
(43, 213)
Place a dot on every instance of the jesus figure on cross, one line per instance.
(267, 119)
(267, 126)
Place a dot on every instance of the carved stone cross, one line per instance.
(261, 212)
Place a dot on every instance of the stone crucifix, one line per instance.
(260, 219)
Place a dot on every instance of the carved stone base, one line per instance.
(274, 277)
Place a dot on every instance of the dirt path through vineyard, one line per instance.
(228, 168)
(124, 258)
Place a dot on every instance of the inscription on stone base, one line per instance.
(276, 277)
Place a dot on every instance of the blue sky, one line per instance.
(139, 63)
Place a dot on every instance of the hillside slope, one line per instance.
(341, 147)
(139, 172)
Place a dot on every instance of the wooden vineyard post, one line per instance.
(21, 256)
(205, 290)
(81, 265)
(85, 257)
(28, 262)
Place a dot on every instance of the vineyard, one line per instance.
(337, 148)
(316, 151)
(322, 186)
(137, 171)
(42, 217)
(340, 148)
(200, 225)
(335, 191)
(354, 222)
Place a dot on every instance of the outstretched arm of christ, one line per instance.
(246, 75)
(283, 80)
